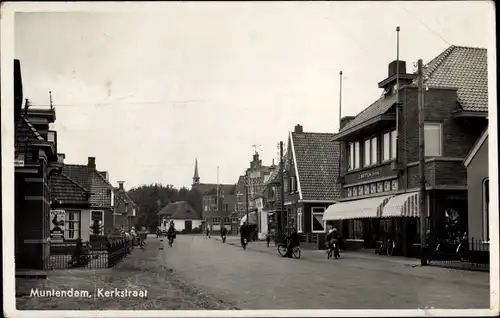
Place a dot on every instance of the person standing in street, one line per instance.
(223, 233)
(243, 235)
(268, 238)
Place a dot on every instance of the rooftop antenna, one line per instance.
(397, 95)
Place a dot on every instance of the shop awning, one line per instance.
(357, 209)
(402, 205)
(252, 218)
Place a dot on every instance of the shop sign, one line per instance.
(368, 174)
(57, 224)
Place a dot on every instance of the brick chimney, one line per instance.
(393, 67)
(299, 129)
(120, 185)
(91, 163)
(345, 120)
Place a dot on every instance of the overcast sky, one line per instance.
(147, 93)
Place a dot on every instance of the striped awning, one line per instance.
(402, 205)
(357, 209)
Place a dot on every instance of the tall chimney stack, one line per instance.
(299, 129)
(120, 185)
(91, 163)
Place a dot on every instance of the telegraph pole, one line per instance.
(246, 194)
(282, 191)
(421, 148)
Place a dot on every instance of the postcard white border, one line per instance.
(7, 55)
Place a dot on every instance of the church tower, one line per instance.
(196, 177)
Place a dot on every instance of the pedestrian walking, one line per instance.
(268, 238)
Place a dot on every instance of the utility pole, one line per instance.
(421, 148)
(246, 194)
(282, 191)
(397, 97)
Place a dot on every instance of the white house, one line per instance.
(184, 216)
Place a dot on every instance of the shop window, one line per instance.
(300, 220)
(433, 139)
(356, 229)
(486, 209)
(317, 223)
(72, 225)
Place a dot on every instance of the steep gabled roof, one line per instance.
(63, 188)
(476, 147)
(91, 180)
(317, 165)
(180, 210)
(24, 135)
(463, 68)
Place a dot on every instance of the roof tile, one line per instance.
(317, 158)
(463, 68)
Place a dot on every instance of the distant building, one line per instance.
(125, 210)
(184, 216)
(217, 202)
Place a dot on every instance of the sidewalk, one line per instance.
(313, 254)
(143, 270)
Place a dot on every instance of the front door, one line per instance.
(188, 226)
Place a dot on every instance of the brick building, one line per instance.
(311, 180)
(35, 160)
(381, 176)
(125, 210)
(101, 196)
(216, 201)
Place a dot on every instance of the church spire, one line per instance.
(196, 177)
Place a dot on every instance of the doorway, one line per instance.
(188, 226)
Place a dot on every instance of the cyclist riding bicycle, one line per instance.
(293, 241)
(331, 238)
(171, 231)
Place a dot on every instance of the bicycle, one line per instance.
(391, 247)
(333, 250)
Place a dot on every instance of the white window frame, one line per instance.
(370, 152)
(440, 134)
(374, 150)
(486, 210)
(313, 212)
(386, 146)
(77, 222)
(389, 146)
(102, 224)
(300, 220)
(394, 146)
(357, 155)
(350, 156)
(367, 153)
